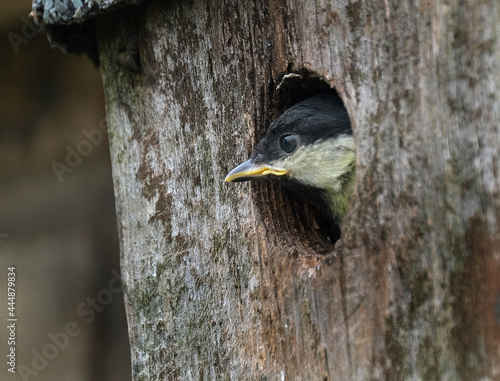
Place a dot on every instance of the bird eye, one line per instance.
(288, 143)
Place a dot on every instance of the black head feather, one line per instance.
(319, 117)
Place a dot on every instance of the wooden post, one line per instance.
(232, 281)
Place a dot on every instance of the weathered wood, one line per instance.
(65, 12)
(226, 281)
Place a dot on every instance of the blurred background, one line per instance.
(57, 217)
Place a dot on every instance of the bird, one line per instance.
(310, 150)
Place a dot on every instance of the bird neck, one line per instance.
(338, 199)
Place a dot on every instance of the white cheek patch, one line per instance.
(322, 164)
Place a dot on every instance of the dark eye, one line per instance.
(288, 143)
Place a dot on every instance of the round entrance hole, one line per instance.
(307, 227)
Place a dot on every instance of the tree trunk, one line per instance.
(235, 281)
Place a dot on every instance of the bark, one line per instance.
(235, 281)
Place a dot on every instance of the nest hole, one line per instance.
(302, 227)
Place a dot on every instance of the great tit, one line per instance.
(310, 150)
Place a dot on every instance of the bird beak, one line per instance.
(249, 170)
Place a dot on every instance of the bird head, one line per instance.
(309, 149)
